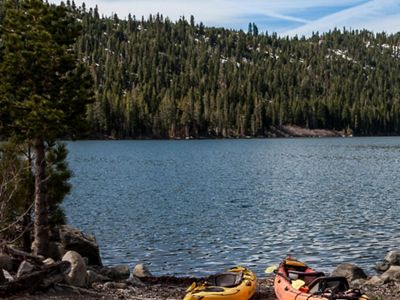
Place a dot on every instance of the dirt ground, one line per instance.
(173, 289)
(156, 290)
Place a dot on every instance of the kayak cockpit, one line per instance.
(226, 279)
(237, 283)
(331, 284)
(294, 280)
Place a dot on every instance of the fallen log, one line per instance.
(47, 275)
(22, 255)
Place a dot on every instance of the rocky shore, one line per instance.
(74, 271)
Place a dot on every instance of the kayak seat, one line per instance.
(307, 277)
(333, 284)
(228, 279)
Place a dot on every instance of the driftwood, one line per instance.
(22, 255)
(47, 275)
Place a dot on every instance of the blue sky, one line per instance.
(287, 17)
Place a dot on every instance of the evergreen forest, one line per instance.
(157, 78)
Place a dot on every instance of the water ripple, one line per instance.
(196, 207)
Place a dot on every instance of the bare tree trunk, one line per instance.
(26, 237)
(172, 132)
(41, 225)
(187, 131)
(26, 221)
(2, 278)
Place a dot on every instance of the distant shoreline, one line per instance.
(286, 131)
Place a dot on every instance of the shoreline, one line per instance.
(87, 278)
(172, 288)
(278, 132)
(285, 131)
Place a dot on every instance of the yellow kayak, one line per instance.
(237, 283)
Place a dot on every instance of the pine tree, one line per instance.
(45, 97)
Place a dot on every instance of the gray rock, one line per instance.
(382, 267)
(375, 281)
(5, 262)
(93, 277)
(24, 268)
(120, 285)
(393, 258)
(77, 275)
(109, 285)
(135, 281)
(119, 272)
(86, 260)
(84, 244)
(350, 271)
(116, 285)
(56, 250)
(358, 283)
(393, 274)
(141, 271)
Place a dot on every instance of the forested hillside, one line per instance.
(158, 78)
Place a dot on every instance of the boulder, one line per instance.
(5, 262)
(24, 268)
(393, 274)
(141, 271)
(350, 271)
(382, 266)
(375, 281)
(77, 275)
(94, 277)
(135, 281)
(393, 258)
(84, 244)
(119, 272)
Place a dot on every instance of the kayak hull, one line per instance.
(296, 281)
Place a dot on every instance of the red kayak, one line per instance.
(294, 280)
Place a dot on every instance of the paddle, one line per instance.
(191, 287)
(297, 284)
(271, 269)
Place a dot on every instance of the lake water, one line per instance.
(197, 207)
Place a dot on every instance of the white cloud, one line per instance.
(375, 15)
(213, 12)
